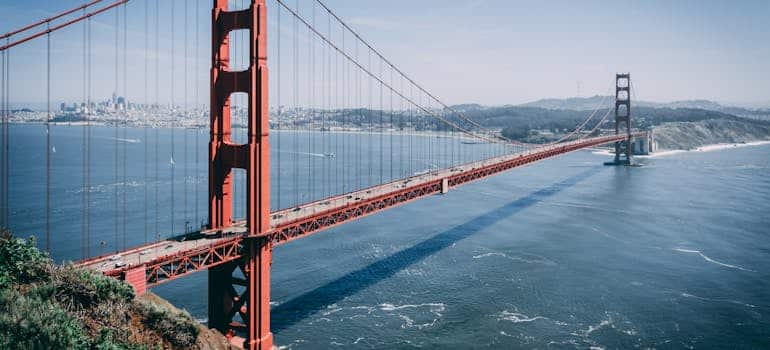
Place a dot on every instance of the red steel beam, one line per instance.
(173, 266)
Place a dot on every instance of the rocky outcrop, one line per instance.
(691, 135)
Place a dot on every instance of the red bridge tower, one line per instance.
(623, 149)
(238, 305)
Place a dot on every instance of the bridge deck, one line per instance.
(174, 258)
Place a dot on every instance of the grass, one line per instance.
(49, 306)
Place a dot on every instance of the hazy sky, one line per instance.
(483, 51)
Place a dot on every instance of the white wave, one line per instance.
(488, 255)
(108, 187)
(721, 146)
(737, 302)
(707, 148)
(537, 260)
(358, 340)
(332, 311)
(705, 257)
(318, 155)
(409, 323)
(124, 140)
(594, 328)
(516, 317)
(435, 308)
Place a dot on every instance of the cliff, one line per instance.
(690, 135)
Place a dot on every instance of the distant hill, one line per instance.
(545, 120)
(589, 103)
(572, 103)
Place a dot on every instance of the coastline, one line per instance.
(704, 148)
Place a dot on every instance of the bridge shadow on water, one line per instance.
(289, 313)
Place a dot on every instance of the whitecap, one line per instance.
(434, 307)
(537, 260)
(516, 317)
(705, 257)
(737, 302)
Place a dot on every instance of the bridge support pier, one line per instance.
(239, 291)
(239, 296)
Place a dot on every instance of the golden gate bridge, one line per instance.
(363, 137)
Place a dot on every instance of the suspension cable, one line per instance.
(48, 20)
(582, 125)
(388, 62)
(378, 80)
(184, 124)
(125, 120)
(48, 146)
(197, 131)
(280, 108)
(173, 115)
(85, 16)
(156, 180)
(115, 127)
(144, 111)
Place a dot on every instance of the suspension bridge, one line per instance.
(344, 134)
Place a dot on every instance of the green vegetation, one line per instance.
(45, 306)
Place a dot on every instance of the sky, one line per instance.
(492, 52)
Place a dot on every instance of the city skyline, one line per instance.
(476, 51)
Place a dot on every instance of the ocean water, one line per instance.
(562, 254)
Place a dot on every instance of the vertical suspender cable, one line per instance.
(343, 107)
(328, 70)
(401, 132)
(125, 117)
(296, 110)
(234, 102)
(88, 143)
(278, 103)
(411, 138)
(157, 126)
(83, 150)
(311, 110)
(381, 131)
(144, 110)
(359, 105)
(2, 139)
(173, 116)
(115, 126)
(390, 127)
(370, 118)
(184, 124)
(48, 145)
(196, 188)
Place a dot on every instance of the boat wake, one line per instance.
(707, 258)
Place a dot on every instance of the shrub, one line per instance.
(33, 323)
(21, 262)
(178, 329)
(84, 289)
